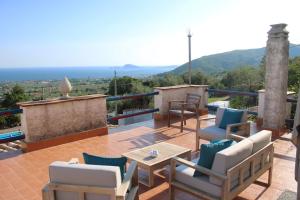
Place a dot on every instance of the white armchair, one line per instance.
(214, 132)
(71, 181)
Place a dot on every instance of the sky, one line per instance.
(35, 33)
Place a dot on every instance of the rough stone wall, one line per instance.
(276, 77)
(56, 118)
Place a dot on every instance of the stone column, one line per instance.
(276, 77)
(261, 104)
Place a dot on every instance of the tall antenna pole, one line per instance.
(116, 92)
(190, 57)
(43, 93)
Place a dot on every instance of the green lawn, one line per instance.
(213, 99)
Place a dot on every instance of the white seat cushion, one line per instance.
(229, 157)
(212, 132)
(260, 140)
(184, 175)
(86, 175)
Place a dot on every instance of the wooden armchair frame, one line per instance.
(243, 182)
(184, 107)
(243, 129)
(129, 183)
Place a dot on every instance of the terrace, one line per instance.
(23, 176)
(62, 129)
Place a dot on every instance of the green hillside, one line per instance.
(229, 60)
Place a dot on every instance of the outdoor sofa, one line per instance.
(233, 169)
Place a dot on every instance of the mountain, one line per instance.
(229, 60)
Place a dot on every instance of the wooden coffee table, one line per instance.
(151, 164)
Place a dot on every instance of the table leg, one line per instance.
(151, 177)
(189, 156)
(149, 180)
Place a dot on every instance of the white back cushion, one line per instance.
(229, 157)
(86, 175)
(260, 140)
(245, 116)
(219, 115)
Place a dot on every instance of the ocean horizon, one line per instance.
(78, 72)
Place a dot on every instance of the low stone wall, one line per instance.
(43, 120)
(178, 92)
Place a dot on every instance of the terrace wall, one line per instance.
(44, 120)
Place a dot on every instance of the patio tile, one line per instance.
(23, 177)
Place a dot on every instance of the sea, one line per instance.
(83, 72)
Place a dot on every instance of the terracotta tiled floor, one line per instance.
(23, 176)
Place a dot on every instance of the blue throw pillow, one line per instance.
(109, 161)
(227, 141)
(231, 116)
(208, 152)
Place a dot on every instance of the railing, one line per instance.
(214, 109)
(5, 115)
(147, 111)
(233, 92)
(290, 121)
(10, 112)
(250, 105)
(291, 100)
(7, 137)
(242, 93)
(39, 91)
(133, 97)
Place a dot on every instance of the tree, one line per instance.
(125, 85)
(294, 74)
(128, 85)
(197, 78)
(167, 80)
(11, 99)
(243, 78)
(242, 102)
(262, 68)
(16, 95)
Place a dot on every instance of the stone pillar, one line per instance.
(261, 104)
(276, 77)
(56, 121)
(178, 92)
